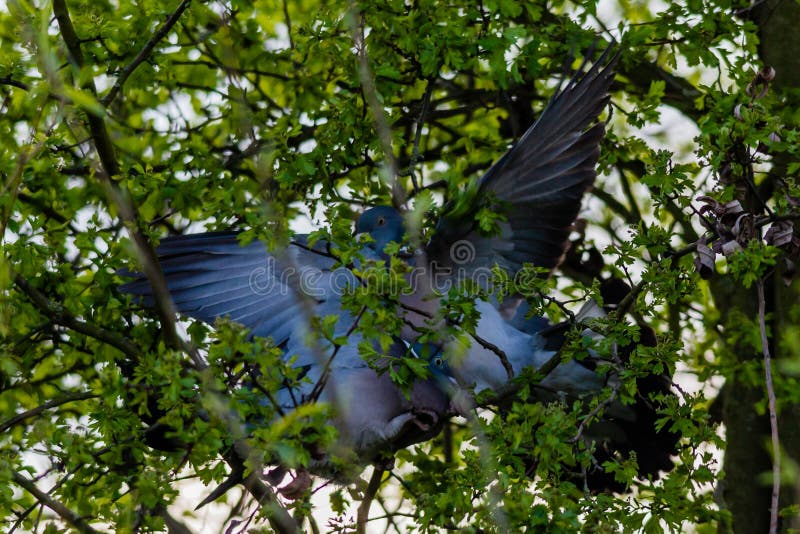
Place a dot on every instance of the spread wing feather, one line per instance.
(538, 183)
(211, 275)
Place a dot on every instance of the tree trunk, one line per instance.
(746, 455)
(746, 491)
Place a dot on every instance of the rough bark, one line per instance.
(747, 432)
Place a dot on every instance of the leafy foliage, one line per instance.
(123, 122)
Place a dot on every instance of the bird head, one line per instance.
(461, 400)
(437, 363)
(384, 224)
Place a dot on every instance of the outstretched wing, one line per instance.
(211, 275)
(537, 184)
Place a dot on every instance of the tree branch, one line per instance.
(426, 101)
(62, 317)
(276, 514)
(288, 21)
(8, 80)
(97, 126)
(63, 512)
(589, 418)
(173, 525)
(369, 494)
(127, 210)
(498, 352)
(52, 403)
(144, 53)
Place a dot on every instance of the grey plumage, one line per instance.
(211, 276)
(537, 186)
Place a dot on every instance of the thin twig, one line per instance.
(144, 53)
(320, 385)
(426, 101)
(357, 33)
(595, 412)
(498, 351)
(773, 413)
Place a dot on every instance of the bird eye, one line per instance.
(381, 221)
(438, 362)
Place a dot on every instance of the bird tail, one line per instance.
(623, 431)
(644, 435)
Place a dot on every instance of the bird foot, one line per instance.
(422, 426)
(425, 419)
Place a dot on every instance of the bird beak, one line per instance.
(462, 403)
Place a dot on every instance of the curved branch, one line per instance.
(63, 512)
(52, 403)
